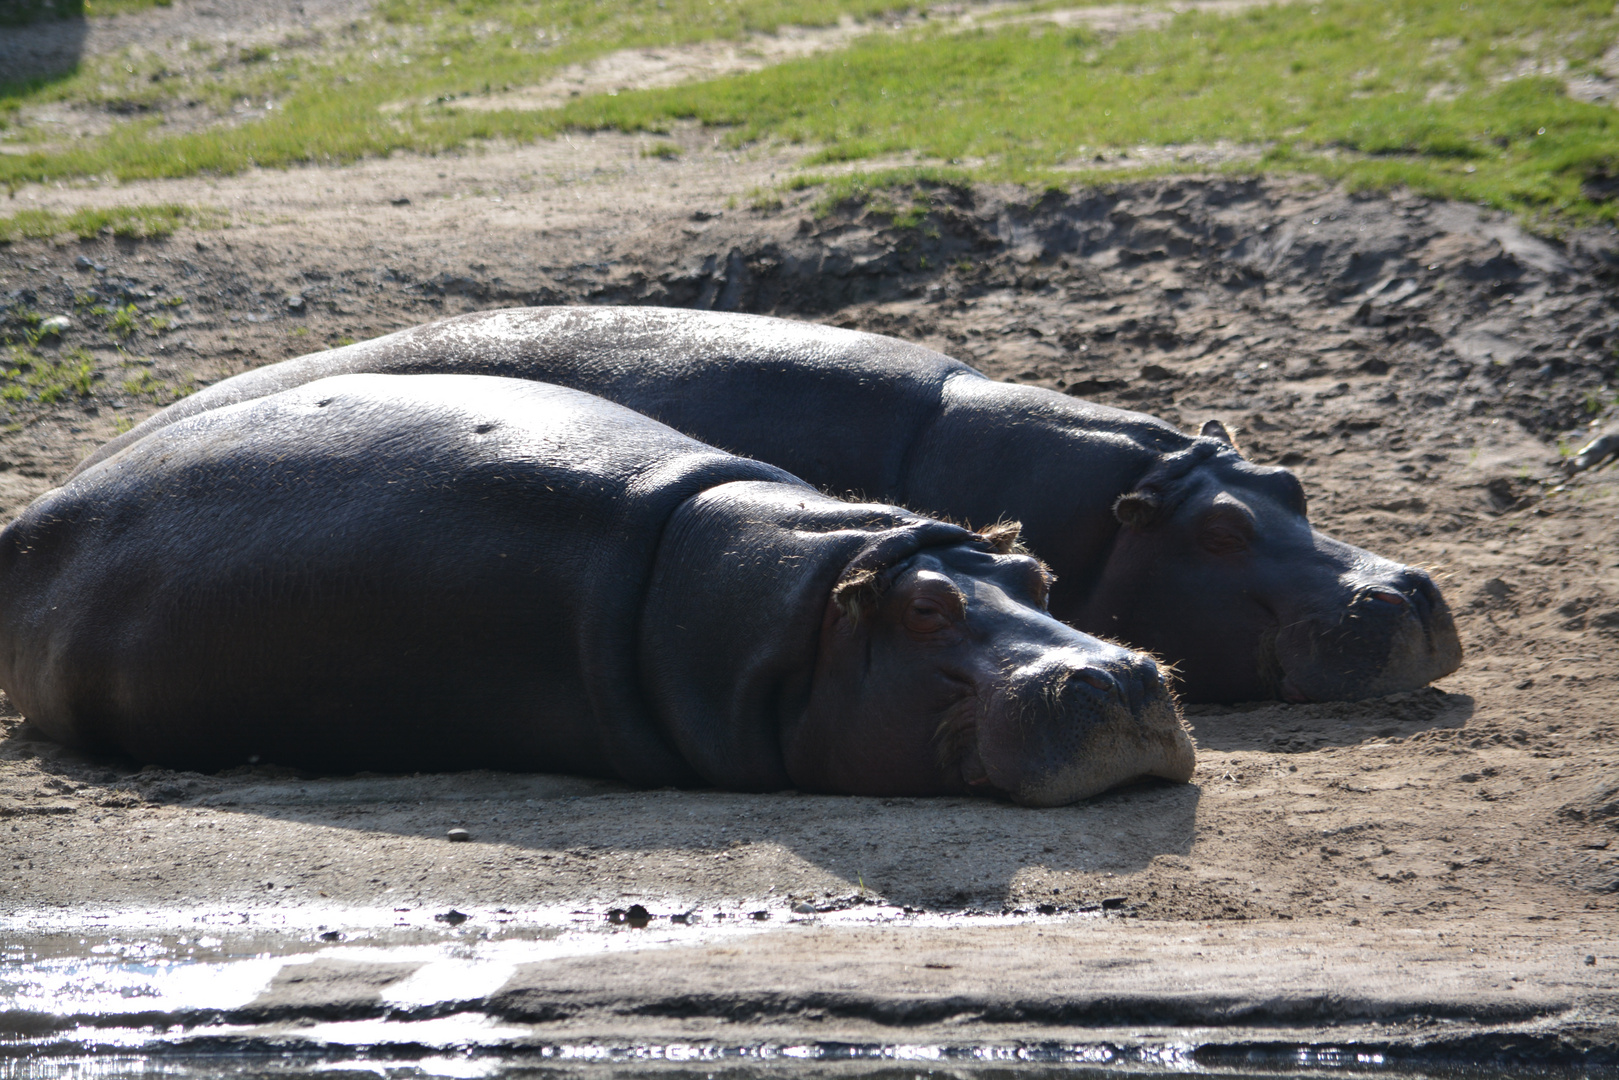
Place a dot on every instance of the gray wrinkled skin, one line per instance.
(1171, 543)
(404, 573)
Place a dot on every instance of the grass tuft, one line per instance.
(124, 222)
(29, 376)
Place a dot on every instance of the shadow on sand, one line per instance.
(1277, 727)
(951, 852)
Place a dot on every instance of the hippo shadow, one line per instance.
(41, 40)
(948, 853)
(1279, 727)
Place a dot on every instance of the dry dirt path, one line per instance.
(1415, 362)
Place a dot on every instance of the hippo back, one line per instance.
(721, 378)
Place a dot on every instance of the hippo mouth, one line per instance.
(974, 773)
(1385, 641)
(956, 743)
(1290, 693)
(1066, 735)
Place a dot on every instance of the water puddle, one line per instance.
(114, 982)
(399, 993)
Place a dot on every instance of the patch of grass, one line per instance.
(125, 222)
(416, 58)
(27, 375)
(123, 322)
(1451, 99)
(145, 384)
(1436, 95)
(667, 151)
(122, 424)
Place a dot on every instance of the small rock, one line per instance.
(331, 935)
(56, 324)
(1595, 452)
(400, 201)
(458, 836)
(804, 908)
(1113, 903)
(686, 918)
(637, 916)
(453, 917)
(1046, 909)
(761, 916)
(294, 303)
(1590, 960)
(83, 263)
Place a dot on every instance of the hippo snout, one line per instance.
(1068, 725)
(1128, 682)
(1395, 634)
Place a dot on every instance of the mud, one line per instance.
(1422, 365)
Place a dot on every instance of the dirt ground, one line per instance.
(1417, 363)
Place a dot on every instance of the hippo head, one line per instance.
(948, 663)
(1217, 569)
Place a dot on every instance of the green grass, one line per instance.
(1420, 93)
(328, 104)
(28, 376)
(1449, 98)
(127, 222)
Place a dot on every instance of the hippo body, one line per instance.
(1172, 543)
(443, 572)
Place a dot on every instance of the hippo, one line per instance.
(1171, 543)
(438, 572)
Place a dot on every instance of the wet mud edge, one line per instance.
(862, 996)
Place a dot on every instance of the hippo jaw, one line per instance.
(1072, 726)
(1395, 634)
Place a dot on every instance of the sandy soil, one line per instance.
(1416, 362)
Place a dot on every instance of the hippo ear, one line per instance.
(858, 594)
(1137, 509)
(1006, 537)
(1216, 430)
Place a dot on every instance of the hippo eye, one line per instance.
(1225, 532)
(926, 615)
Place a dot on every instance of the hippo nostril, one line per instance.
(1094, 678)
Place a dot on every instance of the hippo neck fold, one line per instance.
(731, 630)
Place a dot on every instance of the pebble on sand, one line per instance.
(458, 836)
